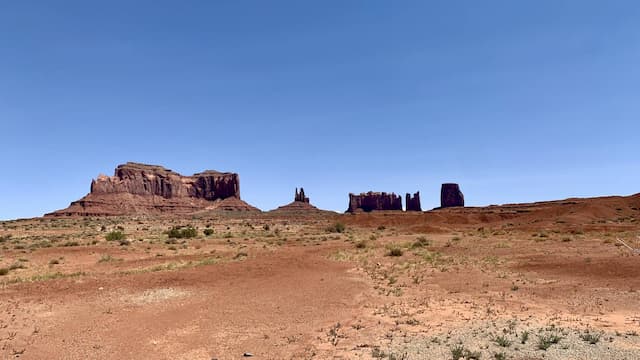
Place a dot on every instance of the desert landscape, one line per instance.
(155, 265)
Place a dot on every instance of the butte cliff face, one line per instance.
(450, 196)
(374, 201)
(413, 202)
(141, 179)
(140, 189)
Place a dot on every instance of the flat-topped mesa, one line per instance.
(413, 203)
(141, 179)
(300, 197)
(150, 189)
(374, 201)
(451, 196)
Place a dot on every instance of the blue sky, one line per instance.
(515, 100)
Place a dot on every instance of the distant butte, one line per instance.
(374, 201)
(413, 202)
(451, 196)
(151, 189)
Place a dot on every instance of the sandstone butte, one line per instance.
(150, 189)
(451, 196)
(371, 201)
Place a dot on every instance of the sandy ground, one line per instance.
(390, 286)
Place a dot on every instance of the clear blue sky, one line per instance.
(515, 100)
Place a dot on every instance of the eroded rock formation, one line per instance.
(413, 203)
(450, 196)
(300, 206)
(300, 196)
(139, 188)
(374, 201)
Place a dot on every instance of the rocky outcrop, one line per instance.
(139, 189)
(300, 207)
(374, 201)
(413, 203)
(451, 196)
(300, 197)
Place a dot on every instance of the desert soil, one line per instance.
(538, 283)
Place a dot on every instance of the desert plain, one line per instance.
(549, 280)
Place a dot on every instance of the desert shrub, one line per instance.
(4, 271)
(208, 232)
(590, 338)
(502, 341)
(457, 352)
(361, 244)
(338, 227)
(545, 341)
(115, 235)
(70, 243)
(178, 232)
(4, 238)
(54, 262)
(395, 251)
(500, 356)
(421, 241)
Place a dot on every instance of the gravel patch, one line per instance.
(513, 339)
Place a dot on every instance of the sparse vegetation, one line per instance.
(420, 242)
(502, 341)
(545, 341)
(395, 250)
(591, 338)
(70, 243)
(115, 235)
(208, 232)
(460, 352)
(338, 227)
(178, 232)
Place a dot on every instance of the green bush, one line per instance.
(178, 232)
(208, 232)
(115, 235)
(4, 271)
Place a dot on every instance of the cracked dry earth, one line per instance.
(293, 289)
